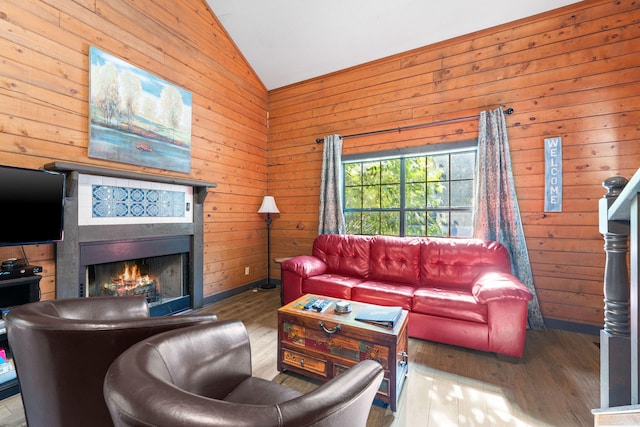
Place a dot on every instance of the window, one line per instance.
(411, 194)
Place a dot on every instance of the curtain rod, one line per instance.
(398, 129)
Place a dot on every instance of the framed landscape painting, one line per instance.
(136, 117)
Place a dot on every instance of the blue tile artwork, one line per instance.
(118, 202)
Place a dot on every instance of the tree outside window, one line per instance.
(417, 195)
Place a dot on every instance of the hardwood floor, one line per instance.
(556, 383)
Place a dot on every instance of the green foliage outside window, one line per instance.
(426, 195)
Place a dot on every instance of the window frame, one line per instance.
(402, 154)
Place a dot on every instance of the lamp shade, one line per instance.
(268, 205)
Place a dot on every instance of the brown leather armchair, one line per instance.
(201, 376)
(63, 348)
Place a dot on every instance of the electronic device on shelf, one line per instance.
(14, 268)
(13, 264)
(26, 271)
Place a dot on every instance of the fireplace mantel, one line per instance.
(200, 188)
(69, 278)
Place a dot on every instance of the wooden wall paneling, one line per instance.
(467, 82)
(44, 108)
(571, 73)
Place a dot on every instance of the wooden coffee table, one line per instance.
(323, 345)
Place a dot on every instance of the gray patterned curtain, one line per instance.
(496, 215)
(331, 216)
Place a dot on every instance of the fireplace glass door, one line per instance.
(161, 279)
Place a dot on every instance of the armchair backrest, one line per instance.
(210, 362)
(63, 348)
(188, 378)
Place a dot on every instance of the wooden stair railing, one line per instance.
(619, 347)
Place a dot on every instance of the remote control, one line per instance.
(321, 305)
(310, 304)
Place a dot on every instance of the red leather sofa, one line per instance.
(457, 291)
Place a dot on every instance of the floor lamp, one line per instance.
(268, 207)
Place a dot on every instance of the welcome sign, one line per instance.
(553, 174)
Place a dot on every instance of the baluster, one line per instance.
(615, 346)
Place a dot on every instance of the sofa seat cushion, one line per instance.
(450, 303)
(330, 285)
(258, 391)
(383, 293)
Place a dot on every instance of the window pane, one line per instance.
(438, 224)
(415, 223)
(390, 223)
(352, 174)
(353, 222)
(390, 171)
(416, 195)
(461, 194)
(353, 198)
(438, 194)
(377, 201)
(371, 223)
(390, 195)
(371, 173)
(415, 169)
(439, 169)
(463, 165)
(461, 224)
(371, 197)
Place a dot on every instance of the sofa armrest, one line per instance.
(294, 271)
(304, 266)
(506, 299)
(499, 286)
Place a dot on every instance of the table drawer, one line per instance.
(339, 344)
(306, 362)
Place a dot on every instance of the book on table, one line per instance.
(381, 316)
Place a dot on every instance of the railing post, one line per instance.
(615, 344)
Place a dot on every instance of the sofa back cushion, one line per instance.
(395, 259)
(456, 263)
(343, 253)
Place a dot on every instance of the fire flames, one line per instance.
(131, 274)
(131, 281)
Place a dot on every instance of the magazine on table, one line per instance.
(381, 316)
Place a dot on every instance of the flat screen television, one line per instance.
(32, 204)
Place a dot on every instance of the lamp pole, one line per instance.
(268, 285)
(268, 207)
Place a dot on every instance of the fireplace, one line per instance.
(155, 278)
(116, 222)
(157, 268)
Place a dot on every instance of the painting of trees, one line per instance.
(136, 117)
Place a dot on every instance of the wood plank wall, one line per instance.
(44, 75)
(572, 73)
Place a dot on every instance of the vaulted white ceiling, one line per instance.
(288, 41)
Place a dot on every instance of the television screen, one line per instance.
(32, 204)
